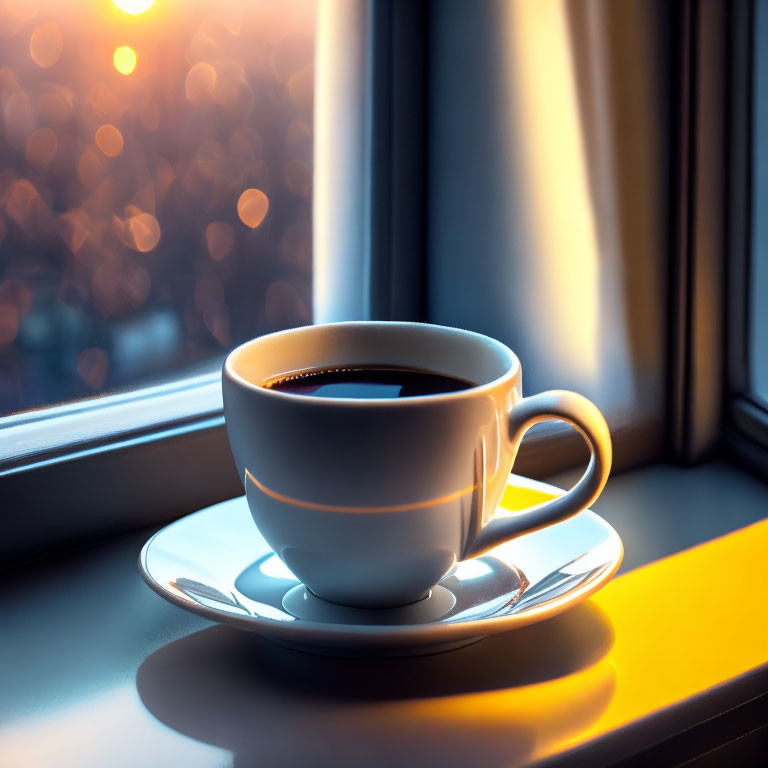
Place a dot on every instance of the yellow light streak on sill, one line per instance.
(685, 624)
(681, 626)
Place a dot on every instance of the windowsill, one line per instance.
(46, 435)
(98, 670)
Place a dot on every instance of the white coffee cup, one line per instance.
(370, 502)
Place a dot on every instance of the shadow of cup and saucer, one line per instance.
(508, 698)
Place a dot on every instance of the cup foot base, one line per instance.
(304, 604)
(423, 596)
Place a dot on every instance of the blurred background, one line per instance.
(155, 188)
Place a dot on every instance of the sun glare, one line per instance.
(134, 7)
(124, 59)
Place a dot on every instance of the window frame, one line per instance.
(711, 407)
(697, 314)
(745, 423)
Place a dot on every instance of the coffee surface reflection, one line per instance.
(365, 382)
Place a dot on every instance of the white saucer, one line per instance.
(216, 564)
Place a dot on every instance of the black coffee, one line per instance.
(365, 382)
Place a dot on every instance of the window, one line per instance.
(155, 188)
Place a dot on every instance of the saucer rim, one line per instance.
(324, 633)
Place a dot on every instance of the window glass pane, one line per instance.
(155, 187)
(759, 276)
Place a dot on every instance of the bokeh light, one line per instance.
(134, 7)
(90, 168)
(55, 103)
(92, 366)
(136, 283)
(216, 319)
(42, 146)
(74, 228)
(124, 59)
(145, 231)
(20, 198)
(200, 82)
(219, 238)
(140, 230)
(109, 140)
(252, 207)
(46, 45)
(9, 323)
(18, 110)
(301, 87)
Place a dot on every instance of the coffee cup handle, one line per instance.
(585, 417)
